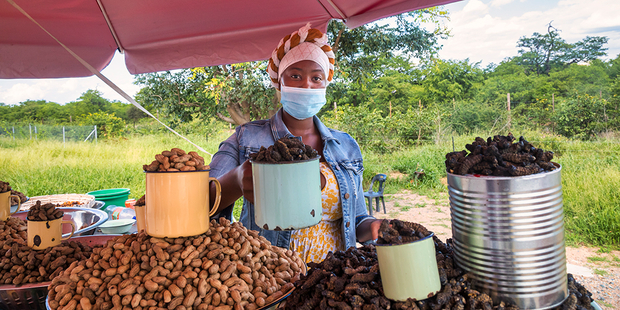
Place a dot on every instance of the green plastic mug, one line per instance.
(409, 270)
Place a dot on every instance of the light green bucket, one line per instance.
(111, 197)
(287, 195)
(409, 270)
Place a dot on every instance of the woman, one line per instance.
(300, 68)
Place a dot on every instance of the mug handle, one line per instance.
(72, 229)
(19, 203)
(218, 196)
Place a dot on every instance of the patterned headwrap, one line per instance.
(305, 44)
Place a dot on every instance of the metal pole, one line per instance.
(36, 136)
(95, 133)
(30, 126)
(13, 132)
(63, 136)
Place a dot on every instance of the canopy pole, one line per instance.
(337, 9)
(107, 20)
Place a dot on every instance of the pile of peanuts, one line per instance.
(4, 186)
(22, 197)
(19, 264)
(228, 267)
(13, 230)
(176, 160)
(44, 212)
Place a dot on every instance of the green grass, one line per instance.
(604, 303)
(600, 272)
(597, 259)
(420, 205)
(36, 167)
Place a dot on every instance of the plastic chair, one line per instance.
(370, 194)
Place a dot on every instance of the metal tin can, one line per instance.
(287, 195)
(508, 232)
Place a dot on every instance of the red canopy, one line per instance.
(158, 35)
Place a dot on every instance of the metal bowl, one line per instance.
(32, 296)
(86, 220)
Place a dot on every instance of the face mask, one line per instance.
(302, 103)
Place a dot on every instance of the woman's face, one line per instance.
(304, 74)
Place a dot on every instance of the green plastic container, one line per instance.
(111, 197)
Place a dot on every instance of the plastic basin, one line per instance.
(111, 197)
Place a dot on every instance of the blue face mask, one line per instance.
(302, 103)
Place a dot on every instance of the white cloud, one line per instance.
(500, 2)
(480, 34)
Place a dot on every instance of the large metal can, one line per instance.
(508, 233)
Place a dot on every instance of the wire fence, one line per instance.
(50, 132)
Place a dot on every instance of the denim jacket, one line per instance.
(340, 150)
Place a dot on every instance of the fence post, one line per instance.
(63, 136)
(509, 116)
(95, 133)
(36, 134)
(30, 126)
(13, 132)
(335, 110)
(552, 102)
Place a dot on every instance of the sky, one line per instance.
(484, 31)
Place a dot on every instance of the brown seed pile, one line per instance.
(351, 280)
(285, 149)
(19, 264)
(13, 230)
(21, 196)
(500, 156)
(4, 187)
(141, 201)
(229, 267)
(44, 212)
(398, 232)
(176, 160)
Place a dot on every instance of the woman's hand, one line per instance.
(244, 180)
(368, 230)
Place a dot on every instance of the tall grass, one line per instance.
(40, 167)
(590, 172)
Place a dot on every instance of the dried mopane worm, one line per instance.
(283, 150)
(500, 156)
(176, 160)
(351, 280)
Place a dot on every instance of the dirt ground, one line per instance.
(599, 272)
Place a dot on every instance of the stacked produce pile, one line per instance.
(176, 160)
(44, 212)
(22, 197)
(351, 280)
(396, 232)
(4, 187)
(227, 267)
(499, 156)
(283, 150)
(19, 264)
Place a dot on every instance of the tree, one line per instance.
(447, 80)
(134, 114)
(541, 52)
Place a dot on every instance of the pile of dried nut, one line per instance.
(12, 230)
(285, 149)
(4, 186)
(44, 212)
(141, 201)
(176, 160)
(351, 280)
(21, 196)
(229, 267)
(499, 156)
(398, 232)
(19, 264)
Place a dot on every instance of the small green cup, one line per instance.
(409, 270)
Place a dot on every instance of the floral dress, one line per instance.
(313, 243)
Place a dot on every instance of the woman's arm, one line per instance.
(235, 183)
